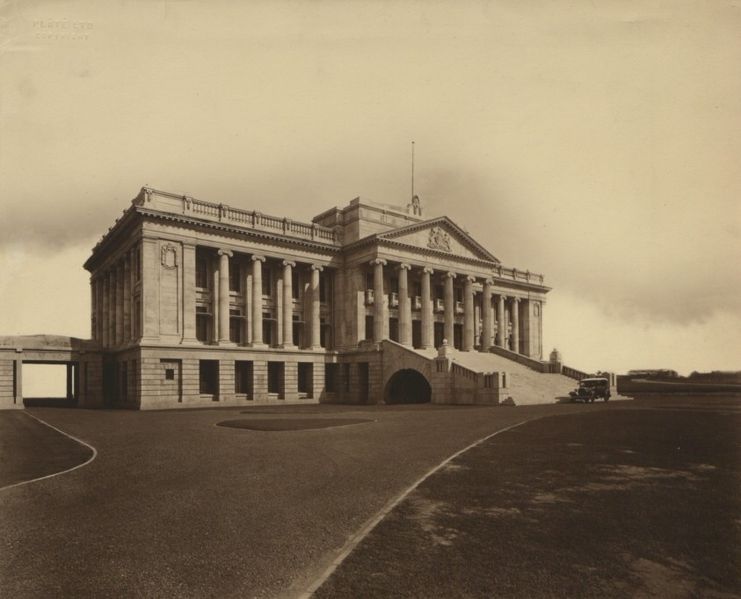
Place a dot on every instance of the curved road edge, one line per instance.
(66, 470)
(365, 530)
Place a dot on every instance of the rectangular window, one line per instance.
(439, 292)
(330, 377)
(267, 282)
(208, 377)
(275, 378)
(346, 376)
(295, 285)
(369, 280)
(268, 326)
(137, 264)
(417, 288)
(202, 278)
(325, 335)
(137, 318)
(322, 287)
(369, 326)
(203, 324)
(235, 277)
(458, 294)
(363, 382)
(394, 281)
(169, 374)
(394, 329)
(305, 379)
(124, 381)
(243, 378)
(236, 326)
(298, 326)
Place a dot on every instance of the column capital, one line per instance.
(503, 297)
(451, 274)
(256, 258)
(516, 299)
(290, 263)
(318, 267)
(404, 266)
(428, 270)
(470, 279)
(488, 282)
(223, 252)
(377, 261)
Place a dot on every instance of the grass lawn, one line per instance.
(612, 503)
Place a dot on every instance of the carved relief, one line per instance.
(169, 256)
(439, 240)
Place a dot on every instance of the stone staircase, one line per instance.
(526, 386)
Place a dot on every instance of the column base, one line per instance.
(287, 346)
(222, 343)
(259, 345)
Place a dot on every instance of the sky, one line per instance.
(597, 143)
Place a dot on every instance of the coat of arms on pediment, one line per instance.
(439, 239)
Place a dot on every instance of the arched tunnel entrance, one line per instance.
(407, 386)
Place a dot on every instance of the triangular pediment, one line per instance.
(442, 235)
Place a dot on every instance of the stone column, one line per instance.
(189, 293)
(427, 322)
(314, 329)
(18, 378)
(257, 339)
(288, 303)
(468, 314)
(119, 302)
(94, 309)
(486, 316)
(378, 311)
(70, 387)
(104, 308)
(501, 325)
(134, 278)
(405, 306)
(127, 298)
(516, 324)
(224, 256)
(449, 300)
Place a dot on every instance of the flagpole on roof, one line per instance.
(412, 169)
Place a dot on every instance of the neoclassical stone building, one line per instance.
(195, 303)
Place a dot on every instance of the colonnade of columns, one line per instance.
(114, 305)
(449, 310)
(284, 304)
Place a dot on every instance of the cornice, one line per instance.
(243, 231)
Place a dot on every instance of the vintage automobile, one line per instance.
(591, 389)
